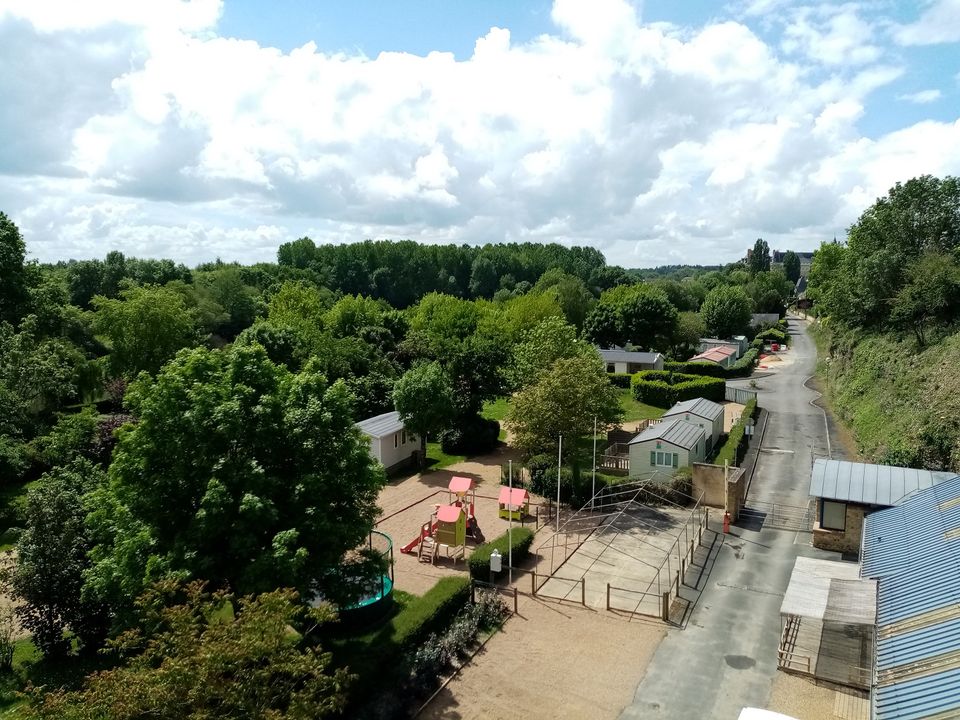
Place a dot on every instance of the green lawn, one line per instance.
(634, 410)
(437, 459)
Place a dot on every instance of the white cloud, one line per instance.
(922, 97)
(653, 142)
(938, 23)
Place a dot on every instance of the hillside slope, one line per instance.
(903, 404)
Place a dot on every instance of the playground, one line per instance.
(412, 504)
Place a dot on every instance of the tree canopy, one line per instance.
(565, 399)
(726, 311)
(237, 471)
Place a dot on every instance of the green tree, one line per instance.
(13, 274)
(565, 399)
(602, 326)
(791, 266)
(760, 257)
(52, 557)
(551, 340)
(571, 294)
(350, 314)
(929, 296)
(239, 472)
(145, 328)
(726, 311)
(424, 399)
(483, 278)
(190, 662)
(648, 319)
(770, 291)
(686, 336)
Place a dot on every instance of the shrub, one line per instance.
(744, 366)
(433, 610)
(696, 368)
(682, 481)
(664, 389)
(539, 467)
(475, 436)
(735, 447)
(620, 380)
(773, 335)
(480, 557)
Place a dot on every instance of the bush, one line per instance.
(475, 436)
(734, 449)
(620, 380)
(540, 467)
(773, 335)
(682, 481)
(431, 611)
(664, 389)
(696, 368)
(480, 557)
(744, 366)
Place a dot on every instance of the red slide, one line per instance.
(408, 548)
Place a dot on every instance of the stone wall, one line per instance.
(845, 541)
(718, 491)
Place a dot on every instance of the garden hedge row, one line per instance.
(620, 380)
(733, 450)
(430, 612)
(664, 389)
(773, 335)
(744, 366)
(696, 368)
(480, 557)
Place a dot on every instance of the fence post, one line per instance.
(608, 596)
(691, 551)
(665, 607)
(533, 583)
(583, 591)
(514, 599)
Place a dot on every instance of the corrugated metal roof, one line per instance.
(867, 484)
(909, 550)
(676, 432)
(716, 354)
(381, 425)
(630, 356)
(697, 406)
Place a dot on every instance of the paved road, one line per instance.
(725, 658)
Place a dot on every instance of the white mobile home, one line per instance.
(664, 446)
(390, 442)
(629, 361)
(699, 411)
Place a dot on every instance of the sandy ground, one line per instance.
(407, 504)
(805, 700)
(731, 413)
(552, 661)
(776, 361)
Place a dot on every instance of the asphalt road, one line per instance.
(725, 657)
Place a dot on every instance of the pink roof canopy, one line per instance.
(514, 498)
(448, 513)
(460, 485)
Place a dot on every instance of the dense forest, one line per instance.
(163, 426)
(889, 300)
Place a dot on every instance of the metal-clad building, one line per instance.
(913, 551)
(867, 484)
(668, 444)
(846, 492)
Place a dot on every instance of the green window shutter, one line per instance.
(653, 457)
(675, 459)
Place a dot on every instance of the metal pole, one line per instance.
(559, 461)
(510, 527)
(593, 490)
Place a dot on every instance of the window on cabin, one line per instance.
(396, 440)
(663, 459)
(833, 515)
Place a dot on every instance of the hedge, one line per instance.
(696, 368)
(620, 380)
(735, 447)
(774, 335)
(480, 557)
(664, 389)
(744, 366)
(429, 612)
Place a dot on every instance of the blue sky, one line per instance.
(660, 132)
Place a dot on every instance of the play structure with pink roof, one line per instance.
(449, 525)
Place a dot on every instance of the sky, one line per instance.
(659, 132)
